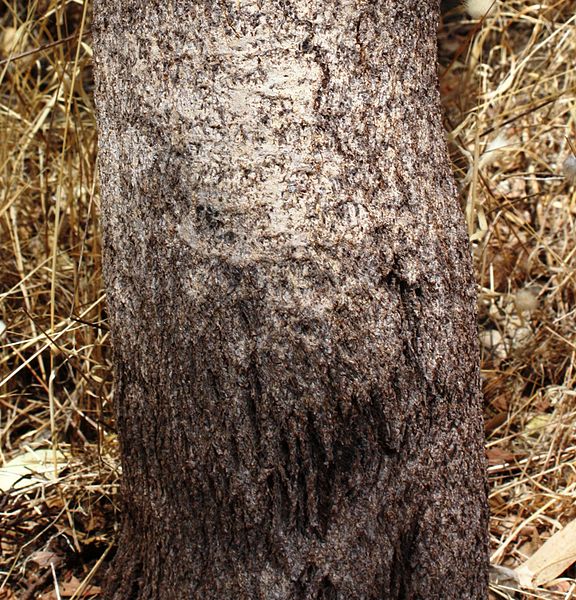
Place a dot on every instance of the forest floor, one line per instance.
(509, 88)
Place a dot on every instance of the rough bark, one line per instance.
(292, 303)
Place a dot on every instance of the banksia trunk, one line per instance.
(292, 304)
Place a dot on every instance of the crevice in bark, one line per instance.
(319, 471)
(327, 591)
(324, 81)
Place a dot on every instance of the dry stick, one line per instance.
(56, 586)
(10, 59)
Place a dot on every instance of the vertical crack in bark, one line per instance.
(325, 79)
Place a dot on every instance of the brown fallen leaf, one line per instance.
(67, 589)
(43, 558)
(497, 456)
(495, 422)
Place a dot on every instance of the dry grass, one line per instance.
(509, 86)
(55, 379)
(509, 91)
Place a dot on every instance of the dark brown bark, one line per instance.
(292, 303)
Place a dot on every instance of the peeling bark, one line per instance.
(292, 304)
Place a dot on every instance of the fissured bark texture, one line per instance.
(292, 304)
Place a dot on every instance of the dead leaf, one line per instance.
(493, 422)
(560, 586)
(497, 456)
(34, 466)
(6, 594)
(551, 559)
(43, 558)
(69, 588)
(537, 423)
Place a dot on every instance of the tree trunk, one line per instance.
(292, 304)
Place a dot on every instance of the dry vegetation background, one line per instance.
(509, 86)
